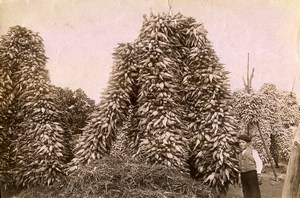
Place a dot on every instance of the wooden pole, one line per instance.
(248, 80)
(291, 187)
(267, 151)
(293, 85)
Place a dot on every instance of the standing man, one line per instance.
(250, 168)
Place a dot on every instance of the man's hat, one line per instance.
(244, 137)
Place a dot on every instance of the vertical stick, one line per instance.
(267, 151)
(293, 86)
(170, 7)
(248, 80)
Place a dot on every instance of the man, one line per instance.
(250, 168)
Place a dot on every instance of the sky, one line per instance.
(81, 35)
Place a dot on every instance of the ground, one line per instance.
(269, 188)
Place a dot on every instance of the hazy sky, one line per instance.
(80, 36)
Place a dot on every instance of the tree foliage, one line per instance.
(76, 106)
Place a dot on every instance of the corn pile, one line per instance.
(122, 178)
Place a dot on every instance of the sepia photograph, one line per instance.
(149, 98)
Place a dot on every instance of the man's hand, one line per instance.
(259, 179)
(239, 181)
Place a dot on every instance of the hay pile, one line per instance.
(116, 177)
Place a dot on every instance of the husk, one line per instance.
(122, 178)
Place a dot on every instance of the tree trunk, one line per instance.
(291, 187)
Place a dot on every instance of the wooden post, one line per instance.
(291, 187)
(267, 151)
(248, 83)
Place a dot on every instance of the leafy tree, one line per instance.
(39, 143)
(178, 96)
(80, 109)
(76, 106)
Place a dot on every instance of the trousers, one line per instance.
(250, 184)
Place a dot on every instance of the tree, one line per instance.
(38, 140)
(76, 106)
(169, 78)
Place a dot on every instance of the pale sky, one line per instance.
(80, 36)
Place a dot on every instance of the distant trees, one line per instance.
(75, 107)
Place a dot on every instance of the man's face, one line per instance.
(243, 144)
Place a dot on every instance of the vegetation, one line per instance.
(121, 177)
(75, 107)
(268, 108)
(168, 103)
(177, 93)
(262, 116)
(35, 148)
(38, 143)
